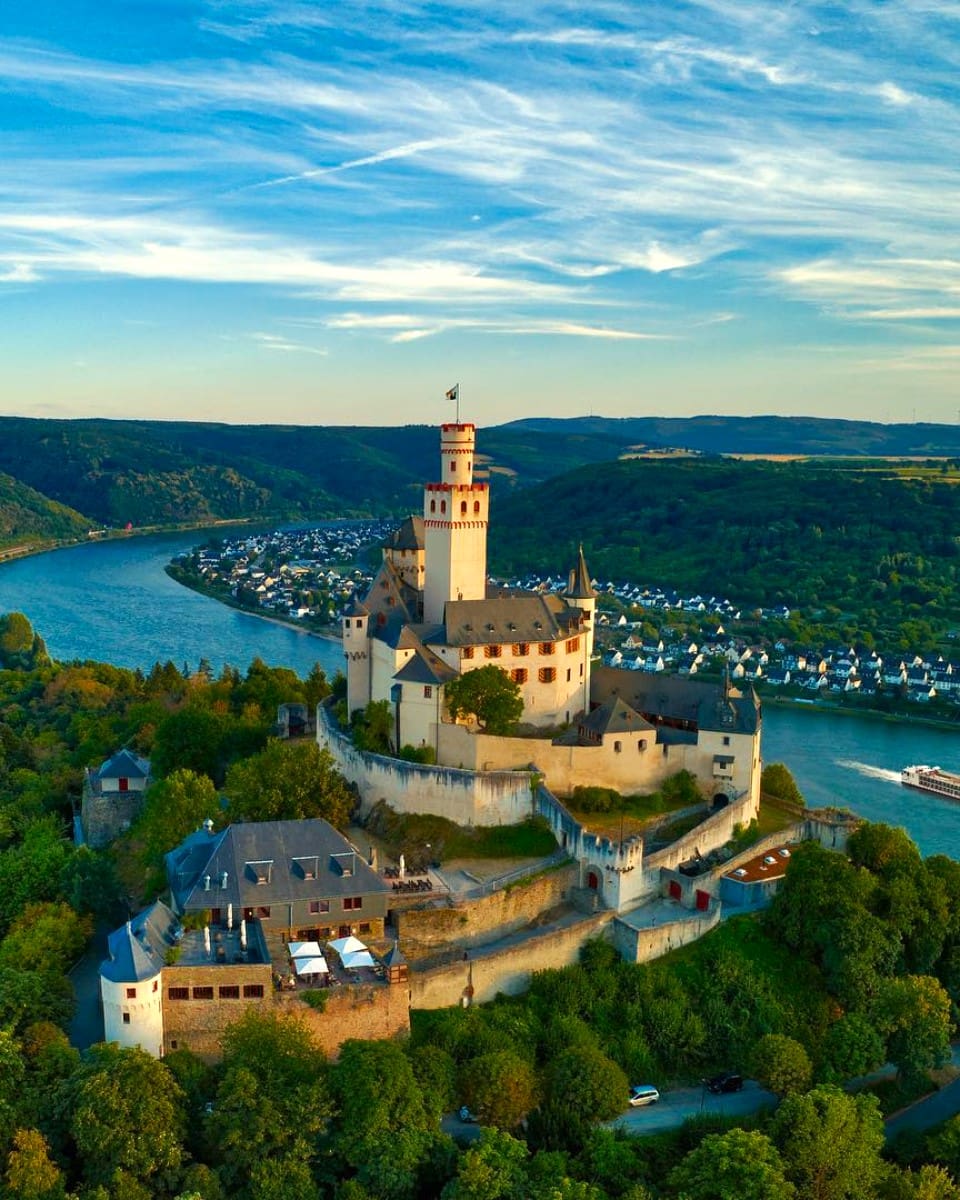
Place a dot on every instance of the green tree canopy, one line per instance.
(830, 1143)
(781, 1064)
(289, 781)
(489, 694)
(500, 1088)
(173, 808)
(914, 1014)
(737, 1163)
(777, 780)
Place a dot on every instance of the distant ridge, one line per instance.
(165, 472)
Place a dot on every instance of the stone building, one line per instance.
(112, 797)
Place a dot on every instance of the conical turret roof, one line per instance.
(579, 586)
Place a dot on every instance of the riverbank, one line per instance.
(29, 550)
(827, 708)
(331, 634)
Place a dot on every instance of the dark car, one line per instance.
(729, 1081)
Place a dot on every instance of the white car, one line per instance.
(643, 1093)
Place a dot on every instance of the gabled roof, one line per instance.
(138, 949)
(267, 862)
(409, 535)
(390, 594)
(124, 765)
(425, 667)
(679, 698)
(580, 587)
(615, 716)
(525, 618)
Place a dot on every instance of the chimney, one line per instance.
(206, 883)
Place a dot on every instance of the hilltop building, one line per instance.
(430, 615)
(112, 797)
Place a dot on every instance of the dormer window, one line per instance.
(261, 870)
(307, 867)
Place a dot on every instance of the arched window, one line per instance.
(433, 506)
(476, 506)
(463, 508)
(443, 506)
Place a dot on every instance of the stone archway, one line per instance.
(720, 800)
(593, 880)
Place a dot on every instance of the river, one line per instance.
(113, 601)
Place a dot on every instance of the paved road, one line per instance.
(87, 1024)
(679, 1104)
(929, 1111)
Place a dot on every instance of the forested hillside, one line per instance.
(879, 542)
(27, 517)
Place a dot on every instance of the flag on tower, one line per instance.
(454, 393)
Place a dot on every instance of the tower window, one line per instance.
(568, 674)
(453, 464)
(617, 746)
(573, 645)
(463, 508)
(476, 506)
(433, 506)
(443, 506)
(427, 692)
(546, 674)
(126, 1018)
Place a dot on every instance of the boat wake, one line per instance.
(870, 771)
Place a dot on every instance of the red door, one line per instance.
(676, 891)
(593, 880)
(703, 901)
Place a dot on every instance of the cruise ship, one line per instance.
(932, 779)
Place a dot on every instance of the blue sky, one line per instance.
(323, 212)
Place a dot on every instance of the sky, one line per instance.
(327, 212)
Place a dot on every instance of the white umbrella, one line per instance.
(311, 966)
(403, 867)
(346, 945)
(304, 949)
(355, 958)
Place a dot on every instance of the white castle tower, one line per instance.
(356, 648)
(456, 513)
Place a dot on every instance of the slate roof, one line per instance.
(580, 587)
(390, 594)
(615, 716)
(268, 862)
(138, 949)
(409, 536)
(425, 667)
(528, 618)
(678, 698)
(124, 764)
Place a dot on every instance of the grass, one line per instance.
(773, 816)
(422, 838)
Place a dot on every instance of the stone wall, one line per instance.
(198, 1025)
(379, 1010)
(715, 831)
(104, 817)
(479, 920)
(503, 968)
(501, 798)
(376, 1011)
(642, 945)
(568, 767)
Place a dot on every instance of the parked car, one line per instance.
(643, 1093)
(728, 1081)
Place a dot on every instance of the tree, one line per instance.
(737, 1163)
(585, 1083)
(372, 728)
(914, 1014)
(272, 1102)
(289, 781)
(125, 1115)
(173, 808)
(500, 1087)
(781, 1064)
(883, 849)
(45, 937)
(830, 1143)
(776, 780)
(492, 1169)
(376, 1094)
(489, 694)
(851, 1046)
(31, 1173)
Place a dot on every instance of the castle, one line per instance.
(430, 615)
